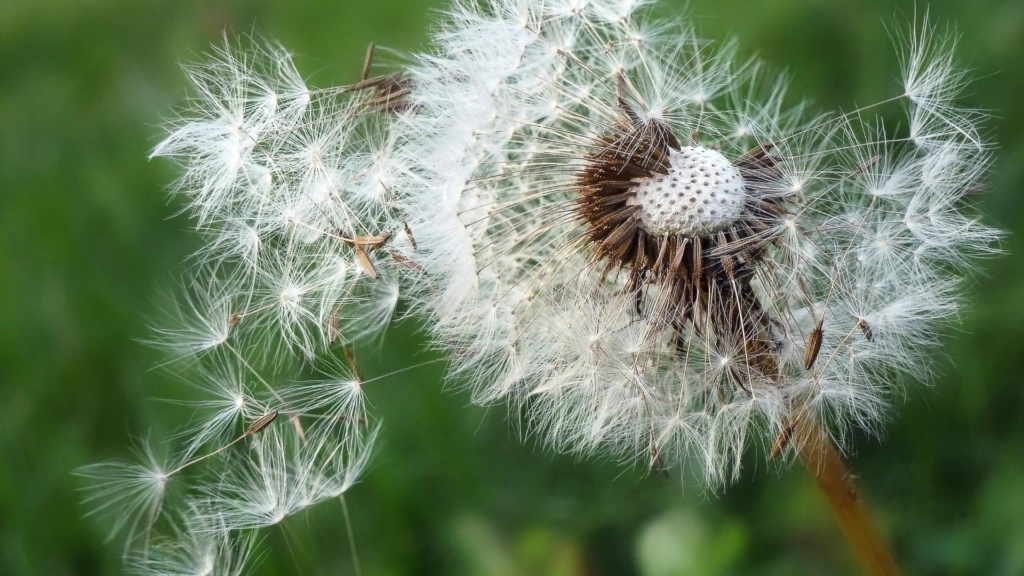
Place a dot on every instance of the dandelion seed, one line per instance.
(260, 424)
(129, 494)
(199, 546)
(814, 345)
(284, 476)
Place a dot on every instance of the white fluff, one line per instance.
(321, 209)
(510, 103)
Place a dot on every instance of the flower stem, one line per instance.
(823, 461)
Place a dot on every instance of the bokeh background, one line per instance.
(88, 244)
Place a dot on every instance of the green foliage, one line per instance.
(87, 245)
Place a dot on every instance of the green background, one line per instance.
(88, 245)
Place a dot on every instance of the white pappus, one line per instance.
(288, 187)
(620, 230)
(629, 236)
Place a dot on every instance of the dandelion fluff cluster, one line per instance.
(281, 181)
(625, 233)
(633, 240)
(287, 186)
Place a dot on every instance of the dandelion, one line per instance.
(620, 230)
(634, 234)
(629, 237)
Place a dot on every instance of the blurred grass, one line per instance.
(86, 247)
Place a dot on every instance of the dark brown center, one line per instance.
(706, 274)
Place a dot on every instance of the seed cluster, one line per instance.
(701, 193)
(694, 223)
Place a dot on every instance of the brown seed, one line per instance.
(332, 327)
(867, 164)
(729, 265)
(364, 261)
(260, 424)
(698, 260)
(677, 257)
(368, 63)
(662, 250)
(408, 232)
(657, 462)
(621, 88)
(350, 357)
(866, 329)
(408, 263)
(371, 243)
(813, 345)
(782, 441)
(234, 319)
(388, 92)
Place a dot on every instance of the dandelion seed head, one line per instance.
(629, 301)
(626, 233)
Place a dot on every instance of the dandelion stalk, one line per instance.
(823, 461)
